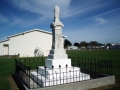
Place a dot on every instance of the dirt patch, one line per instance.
(13, 84)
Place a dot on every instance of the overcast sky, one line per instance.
(84, 20)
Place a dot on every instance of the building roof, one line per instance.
(7, 38)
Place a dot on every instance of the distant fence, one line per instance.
(93, 67)
(6, 56)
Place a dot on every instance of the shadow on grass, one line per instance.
(18, 82)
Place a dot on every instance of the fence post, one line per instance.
(60, 72)
(102, 68)
(29, 76)
(38, 62)
(33, 64)
(41, 80)
(98, 68)
(15, 65)
(53, 74)
(73, 73)
(111, 68)
(42, 61)
(29, 62)
(85, 65)
(95, 67)
(66, 73)
(82, 63)
(56, 78)
(107, 67)
(79, 59)
(19, 60)
(45, 76)
(79, 68)
(25, 62)
(90, 67)
(37, 76)
(73, 62)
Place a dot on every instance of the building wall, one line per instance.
(26, 44)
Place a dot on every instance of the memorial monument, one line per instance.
(57, 53)
(57, 69)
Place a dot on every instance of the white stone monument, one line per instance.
(62, 72)
(57, 54)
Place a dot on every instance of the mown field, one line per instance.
(7, 66)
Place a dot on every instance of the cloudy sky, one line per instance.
(84, 20)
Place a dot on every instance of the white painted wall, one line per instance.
(25, 44)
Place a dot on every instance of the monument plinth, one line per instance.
(57, 69)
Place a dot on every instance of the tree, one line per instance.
(67, 43)
(93, 43)
(76, 44)
(83, 44)
(109, 44)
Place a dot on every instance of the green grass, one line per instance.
(32, 62)
(7, 65)
(113, 55)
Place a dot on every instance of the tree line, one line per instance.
(84, 44)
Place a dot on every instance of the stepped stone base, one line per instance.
(58, 76)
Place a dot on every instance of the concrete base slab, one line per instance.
(84, 85)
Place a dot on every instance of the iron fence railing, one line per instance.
(28, 70)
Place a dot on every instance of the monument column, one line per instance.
(57, 53)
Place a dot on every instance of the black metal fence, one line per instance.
(95, 67)
(88, 69)
(23, 72)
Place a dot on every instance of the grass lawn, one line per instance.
(7, 65)
(113, 55)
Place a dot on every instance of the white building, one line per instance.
(72, 47)
(27, 44)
